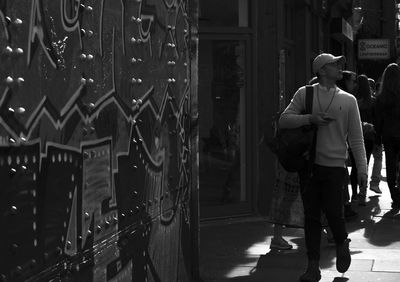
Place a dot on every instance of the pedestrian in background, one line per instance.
(285, 193)
(388, 126)
(366, 105)
(348, 83)
(377, 152)
(285, 181)
(336, 114)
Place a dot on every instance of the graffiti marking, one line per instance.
(38, 35)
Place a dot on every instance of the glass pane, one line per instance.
(221, 121)
(224, 13)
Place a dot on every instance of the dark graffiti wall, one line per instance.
(95, 149)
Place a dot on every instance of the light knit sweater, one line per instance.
(331, 148)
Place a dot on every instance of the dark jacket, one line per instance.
(387, 120)
(368, 115)
(367, 112)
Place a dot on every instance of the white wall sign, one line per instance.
(374, 49)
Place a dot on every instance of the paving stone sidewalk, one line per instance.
(238, 249)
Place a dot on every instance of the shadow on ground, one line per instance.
(240, 251)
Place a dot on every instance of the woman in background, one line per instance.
(377, 151)
(366, 105)
(388, 126)
(349, 84)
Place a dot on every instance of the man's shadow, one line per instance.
(297, 260)
(290, 264)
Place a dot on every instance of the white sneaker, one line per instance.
(280, 244)
(376, 189)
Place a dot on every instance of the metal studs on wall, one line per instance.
(94, 160)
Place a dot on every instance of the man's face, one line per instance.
(333, 71)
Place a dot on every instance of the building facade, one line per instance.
(376, 37)
(252, 58)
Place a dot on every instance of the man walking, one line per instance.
(336, 114)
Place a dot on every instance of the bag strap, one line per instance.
(309, 98)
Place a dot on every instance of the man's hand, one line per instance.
(362, 179)
(321, 119)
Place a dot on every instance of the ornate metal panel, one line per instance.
(95, 150)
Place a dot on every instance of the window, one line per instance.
(224, 13)
(224, 69)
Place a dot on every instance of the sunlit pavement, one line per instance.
(238, 249)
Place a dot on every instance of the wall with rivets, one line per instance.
(95, 140)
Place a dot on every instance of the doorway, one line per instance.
(223, 69)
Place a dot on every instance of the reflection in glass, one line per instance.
(221, 110)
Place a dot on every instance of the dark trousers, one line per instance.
(392, 152)
(322, 192)
(346, 194)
